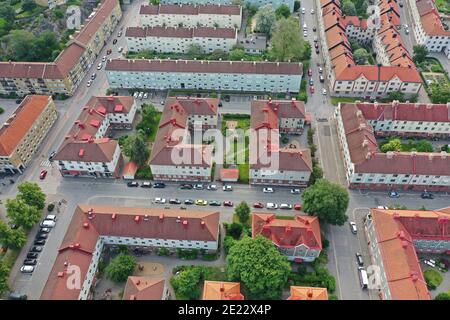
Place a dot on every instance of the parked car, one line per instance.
(159, 185)
(212, 187)
(320, 70)
(48, 224)
(295, 191)
(17, 296)
(27, 269)
(201, 202)
(108, 51)
(312, 11)
(353, 228)
(32, 255)
(393, 194)
(271, 205)
(359, 259)
(120, 49)
(51, 217)
(314, 29)
(186, 186)
(160, 200)
(311, 81)
(227, 187)
(100, 65)
(316, 45)
(36, 249)
(119, 34)
(141, 94)
(104, 59)
(135, 94)
(297, 206)
(198, 186)
(188, 201)
(43, 174)
(52, 155)
(114, 41)
(258, 205)
(310, 72)
(174, 201)
(324, 91)
(146, 184)
(311, 89)
(215, 203)
(93, 76)
(305, 33)
(429, 263)
(426, 195)
(45, 230)
(285, 206)
(317, 51)
(88, 83)
(145, 95)
(42, 235)
(268, 190)
(132, 184)
(321, 79)
(227, 204)
(30, 262)
(303, 10)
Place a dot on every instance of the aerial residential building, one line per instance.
(221, 290)
(22, 134)
(259, 3)
(86, 150)
(176, 156)
(368, 168)
(308, 293)
(191, 16)
(206, 75)
(180, 40)
(427, 26)
(288, 165)
(94, 227)
(63, 75)
(145, 288)
(395, 70)
(298, 239)
(395, 237)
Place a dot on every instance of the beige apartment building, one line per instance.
(22, 134)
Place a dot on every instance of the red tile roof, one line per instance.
(208, 66)
(221, 290)
(308, 293)
(186, 9)
(144, 288)
(430, 18)
(287, 233)
(85, 228)
(395, 231)
(26, 114)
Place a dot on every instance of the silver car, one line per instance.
(271, 205)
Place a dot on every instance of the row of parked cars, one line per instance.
(198, 202)
(41, 238)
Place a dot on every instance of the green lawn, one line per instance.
(335, 100)
(152, 135)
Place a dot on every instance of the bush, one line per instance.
(433, 278)
(121, 267)
(50, 207)
(144, 173)
(234, 230)
(163, 252)
(186, 284)
(187, 254)
(228, 242)
(2, 110)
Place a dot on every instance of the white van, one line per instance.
(364, 281)
(48, 224)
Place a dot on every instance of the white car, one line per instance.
(212, 187)
(89, 83)
(285, 206)
(353, 227)
(162, 102)
(324, 91)
(303, 10)
(104, 59)
(312, 11)
(160, 200)
(271, 205)
(429, 263)
(268, 190)
(120, 49)
(27, 269)
(407, 31)
(320, 70)
(145, 95)
(305, 33)
(100, 65)
(47, 224)
(227, 188)
(141, 94)
(295, 191)
(135, 95)
(51, 217)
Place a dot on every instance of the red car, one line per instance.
(228, 204)
(43, 174)
(311, 89)
(297, 206)
(316, 45)
(258, 205)
(109, 51)
(310, 72)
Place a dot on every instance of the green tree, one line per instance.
(12, 238)
(348, 8)
(155, 2)
(361, 56)
(22, 214)
(265, 20)
(424, 146)
(396, 95)
(440, 93)
(121, 267)
(296, 5)
(135, 147)
(32, 194)
(20, 45)
(420, 52)
(4, 275)
(442, 296)
(283, 11)
(228, 242)
(242, 211)
(258, 265)
(327, 200)
(44, 46)
(316, 174)
(287, 43)
(237, 54)
(28, 5)
(235, 230)
(219, 54)
(186, 283)
(195, 51)
(150, 118)
(394, 144)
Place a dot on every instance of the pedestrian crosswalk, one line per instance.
(46, 163)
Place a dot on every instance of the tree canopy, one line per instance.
(420, 52)
(186, 283)
(12, 238)
(265, 20)
(348, 8)
(287, 44)
(135, 147)
(4, 275)
(21, 213)
(121, 267)
(396, 95)
(440, 93)
(243, 212)
(258, 265)
(32, 194)
(361, 56)
(327, 200)
(283, 11)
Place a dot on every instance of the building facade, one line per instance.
(299, 239)
(86, 151)
(191, 16)
(368, 168)
(205, 75)
(259, 3)
(180, 40)
(63, 75)
(22, 134)
(94, 227)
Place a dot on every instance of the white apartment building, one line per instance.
(207, 75)
(427, 26)
(191, 16)
(180, 40)
(93, 227)
(367, 167)
(259, 3)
